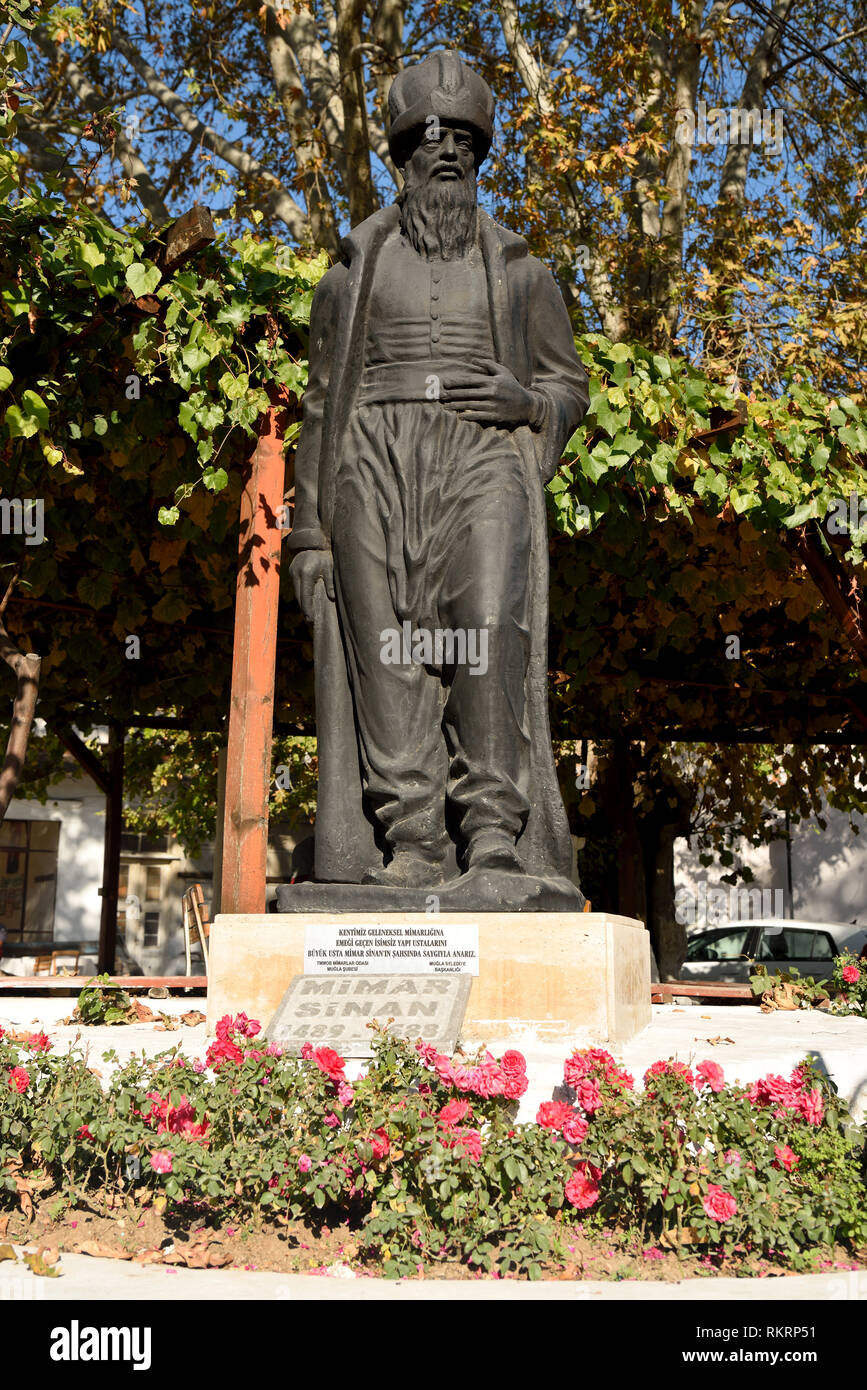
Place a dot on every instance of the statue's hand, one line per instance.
(489, 394)
(308, 567)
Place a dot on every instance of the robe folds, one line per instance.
(532, 337)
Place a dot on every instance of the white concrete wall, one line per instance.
(828, 868)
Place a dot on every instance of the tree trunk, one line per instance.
(359, 180)
(26, 668)
(668, 936)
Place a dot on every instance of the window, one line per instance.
(153, 884)
(122, 893)
(151, 935)
(726, 944)
(28, 878)
(133, 843)
(795, 943)
(823, 946)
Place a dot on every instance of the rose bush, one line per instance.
(423, 1155)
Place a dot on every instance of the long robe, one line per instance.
(533, 338)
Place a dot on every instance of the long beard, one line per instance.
(439, 219)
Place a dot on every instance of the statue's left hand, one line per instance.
(489, 394)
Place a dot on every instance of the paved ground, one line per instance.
(116, 1280)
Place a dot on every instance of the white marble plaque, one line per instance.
(351, 948)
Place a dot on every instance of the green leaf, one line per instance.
(5, 378)
(95, 590)
(142, 279)
(168, 516)
(23, 421)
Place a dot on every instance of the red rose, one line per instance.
(379, 1140)
(553, 1114)
(329, 1062)
(851, 974)
(452, 1113)
(19, 1080)
(786, 1158)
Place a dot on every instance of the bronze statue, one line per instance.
(444, 384)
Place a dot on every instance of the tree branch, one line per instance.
(92, 100)
(231, 153)
(611, 315)
(290, 89)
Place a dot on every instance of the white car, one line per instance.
(730, 952)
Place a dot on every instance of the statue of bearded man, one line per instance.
(444, 384)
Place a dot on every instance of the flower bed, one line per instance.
(844, 993)
(423, 1159)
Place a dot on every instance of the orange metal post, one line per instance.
(251, 716)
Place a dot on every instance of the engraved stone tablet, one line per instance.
(335, 1011)
(382, 948)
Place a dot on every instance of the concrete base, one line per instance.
(582, 976)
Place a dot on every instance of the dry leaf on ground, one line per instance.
(38, 1262)
(7, 1253)
(100, 1250)
(148, 1257)
(193, 1018)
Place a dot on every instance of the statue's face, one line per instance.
(444, 154)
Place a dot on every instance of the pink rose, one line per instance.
(514, 1063)
(487, 1080)
(712, 1074)
(19, 1080)
(772, 1090)
(812, 1107)
(332, 1121)
(731, 1156)
(470, 1140)
(345, 1093)
(851, 974)
(307, 1052)
(161, 1161)
(588, 1095)
(582, 1189)
(443, 1068)
(305, 1163)
(575, 1129)
(719, 1205)
(515, 1085)
(785, 1157)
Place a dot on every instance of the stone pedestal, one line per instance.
(581, 976)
